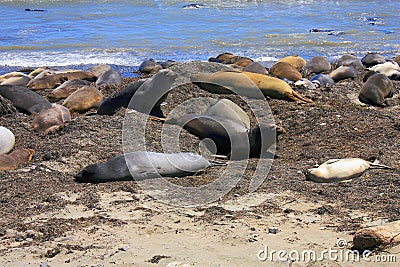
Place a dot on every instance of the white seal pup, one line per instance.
(7, 140)
(336, 170)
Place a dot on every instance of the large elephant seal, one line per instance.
(66, 89)
(317, 65)
(51, 119)
(390, 69)
(295, 60)
(7, 140)
(224, 58)
(15, 159)
(276, 88)
(24, 99)
(372, 59)
(111, 104)
(9, 75)
(284, 70)
(110, 77)
(230, 137)
(336, 170)
(83, 99)
(228, 109)
(143, 165)
(343, 72)
(377, 87)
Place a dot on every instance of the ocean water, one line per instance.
(125, 33)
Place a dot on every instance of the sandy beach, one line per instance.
(48, 219)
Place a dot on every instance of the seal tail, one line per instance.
(157, 119)
(298, 97)
(377, 165)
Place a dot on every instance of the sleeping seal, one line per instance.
(143, 165)
(317, 65)
(83, 99)
(7, 140)
(51, 119)
(322, 80)
(15, 159)
(66, 89)
(376, 89)
(335, 170)
(227, 109)
(343, 72)
(24, 99)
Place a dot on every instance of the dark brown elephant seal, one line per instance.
(15, 159)
(150, 66)
(285, 70)
(142, 165)
(224, 58)
(66, 89)
(343, 72)
(83, 99)
(24, 99)
(350, 60)
(377, 87)
(51, 119)
(295, 60)
(317, 65)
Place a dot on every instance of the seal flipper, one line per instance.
(298, 97)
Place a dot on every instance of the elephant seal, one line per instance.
(376, 89)
(350, 60)
(66, 89)
(397, 59)
(7, 140)
(53, 80)
(317, 65)
(9, 75)
(256, 68)
(295, 60)
(37, 71)
(99, 69)
(51, 119)
(109, 77)
(372, 59)
(224, 58)
(18, 80)
(322, 80)
(24, 99)
(276, 88)
(228, 109)
(15, 159)
(285, 70)
(246, 84)
(150, 95)
(390, 69)
(343, 72)
(230, 137)
(241, 61)
(336, 170)
(83, 99)
(143, 165)
(150, 66)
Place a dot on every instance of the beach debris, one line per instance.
(385, 235)
(336, 170)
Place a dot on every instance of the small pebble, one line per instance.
(272, 230)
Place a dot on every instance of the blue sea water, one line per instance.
(127, 32)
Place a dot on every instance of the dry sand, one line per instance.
(48, 219)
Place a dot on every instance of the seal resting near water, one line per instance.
(143, 165)
(228, 109)
(66, 89)
(51, 119)
(343, 72)
(24, 99)
(317, 65)
(285, 70)
(376, 88)
(295, 60)
(7, 140)
(53, 80)
(15, 159)
(336, 170)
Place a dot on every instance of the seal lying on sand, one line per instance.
(246, 84)
(317, 65)
(295, 60)
(83, 99)
(24, 99)
(7, 140)
(15, 159)
(53, 80)
(343, 72)
(372, 59)
(230, 137)
(322, 80)
(285, 70)
(228, 109)
(66, 89)
(143, 165)
(335, 170)
(376, 88)
(51, 119)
